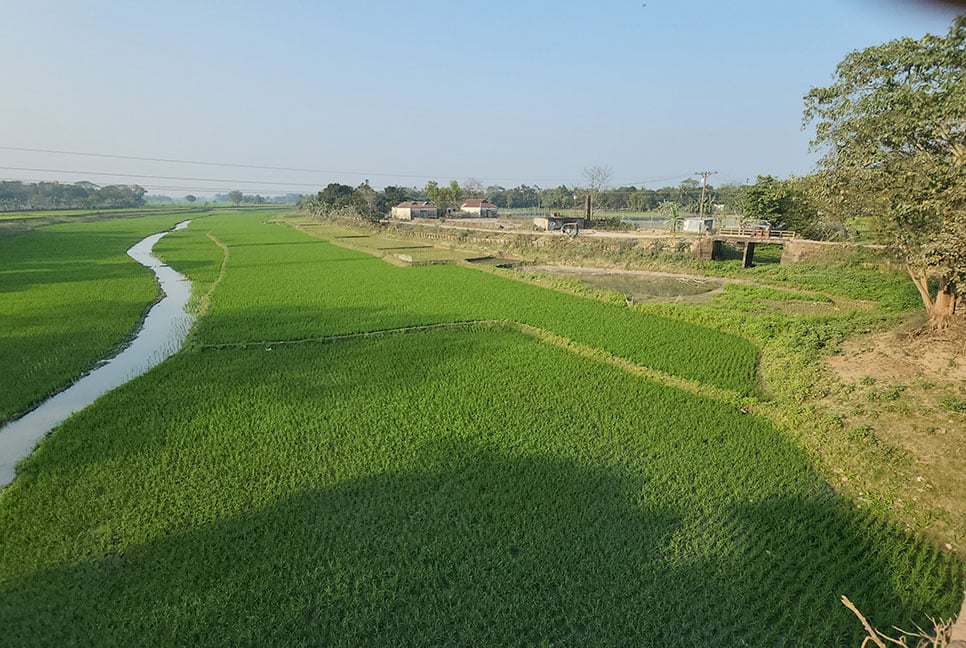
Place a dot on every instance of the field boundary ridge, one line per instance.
(746, 404)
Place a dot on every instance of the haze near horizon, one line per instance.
(401, 93)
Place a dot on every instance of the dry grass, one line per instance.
(939, 636)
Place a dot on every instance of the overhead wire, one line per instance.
(158, 177)
(306, 185)
(251, 166)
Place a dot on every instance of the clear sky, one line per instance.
(528, 91)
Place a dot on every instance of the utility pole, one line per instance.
(704, 185)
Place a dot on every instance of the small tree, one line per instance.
(191, 198)
(235, 197)
(675, 219)
(597, 178)
(367, 203)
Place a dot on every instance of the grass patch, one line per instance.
(71, 295)
(297, 287)
(446, 487)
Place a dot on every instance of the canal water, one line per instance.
(163, 332)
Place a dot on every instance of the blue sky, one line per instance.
(404, 92)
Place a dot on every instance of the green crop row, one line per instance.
(69, 295)
(284, 285)
(457, 487)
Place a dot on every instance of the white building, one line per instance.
(702, 225)
(478, 207)
(415, 209)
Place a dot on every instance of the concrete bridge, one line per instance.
(709, 247)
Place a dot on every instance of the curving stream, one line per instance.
(163, 332)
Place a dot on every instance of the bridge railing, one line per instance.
(755, 232)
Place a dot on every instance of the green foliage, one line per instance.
(367, 202)
(954, 404)
(675, 220)
(447, 487)
(16, 195)
(783, 204)
(613, 224)
(891, 128)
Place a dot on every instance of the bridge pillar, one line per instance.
(749, 256)
(706, 249)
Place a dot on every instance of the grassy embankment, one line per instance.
(460, 485)
(70, 296)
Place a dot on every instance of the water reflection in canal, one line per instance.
(163, 332)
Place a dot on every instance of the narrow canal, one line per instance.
(163, 332)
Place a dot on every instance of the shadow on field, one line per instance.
(365, 493)
(481, 549)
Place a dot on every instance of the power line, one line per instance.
(250, 166)
(267, 168)
(160, 177)
(645, 182)
(189, 189)
(198, 162)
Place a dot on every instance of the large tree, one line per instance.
(892, 128)
(393, 195)
(783, 204)
(336, 195)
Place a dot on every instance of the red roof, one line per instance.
(476, 202)
(416, 204)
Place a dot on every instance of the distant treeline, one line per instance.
(23, 196)
(237, 197)
(253, 199)
(687, 195)
(783, 203)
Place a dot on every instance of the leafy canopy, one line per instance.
(892, 128)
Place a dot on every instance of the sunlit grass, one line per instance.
(472, 486)
(69, 295)
(282, 285)
(448, 487)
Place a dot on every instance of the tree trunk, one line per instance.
(943, 307)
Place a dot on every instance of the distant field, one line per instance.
(116, 213)
(467, 485)
(124, 212)
(299, 287)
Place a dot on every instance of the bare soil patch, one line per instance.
(904, 393)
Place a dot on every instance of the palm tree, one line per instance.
(675, 219)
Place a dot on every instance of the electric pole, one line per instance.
(704, 185)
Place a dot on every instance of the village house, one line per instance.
(478, 207)
(415, 209)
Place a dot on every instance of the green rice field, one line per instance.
(69, 295)
(312, 470)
